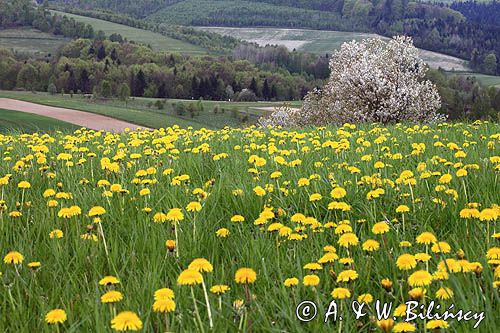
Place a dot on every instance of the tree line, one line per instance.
(18, 13)
(102, 67)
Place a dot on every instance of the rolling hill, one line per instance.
(324, 41)
(157, 41)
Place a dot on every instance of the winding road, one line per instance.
(80, 118)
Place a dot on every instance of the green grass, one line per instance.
(131, 246)
(487, 80)
(31, 41)
(138, 112)
(157, 41)
(323, 41)
(27, 122)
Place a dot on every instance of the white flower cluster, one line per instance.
(370, 81)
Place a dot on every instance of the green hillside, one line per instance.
(157, 41)
(246, 13)
(31, 41)
(324, 41)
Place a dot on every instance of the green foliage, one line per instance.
(22, 13)
(246, 13)
(84, 64)
(52, 89)
(124, 92)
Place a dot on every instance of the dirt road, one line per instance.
(80, 118)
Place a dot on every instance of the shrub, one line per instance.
(52, 89)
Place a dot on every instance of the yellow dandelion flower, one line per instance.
(193, 206)
(201, 265)
(436, 324)
(219, 289)
(348, 239)
(402, 209)
(164, 305)
(347, 276)
(164, 293)
(311, 280)
(56, 316)
(441, 247)
(13, 257)
(365, 298)
(96, 211)
(112, 296)
(385, 325)
(406, 262)
(290, 282)
(126, 321)
(426, 238)
(371, 245)
(222, 232)
(444, 293)
(175, 215)
(313, 266)
(420, 278)
(380, 228)
(245, 275)
(237, 218)
(341, 293)
(109, 280)
(189, 277)
(404, 327)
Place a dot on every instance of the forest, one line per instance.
(103, 67)
(458, 30)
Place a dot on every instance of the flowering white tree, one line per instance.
(371, 81)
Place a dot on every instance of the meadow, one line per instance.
(487, 80)
(157, 41)
(31, 41)
(180, 230)
(142, 111)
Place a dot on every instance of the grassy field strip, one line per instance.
(322, 42)
(157, 41)
(487, 80)
(138, 112)
(139, 117)
(30, 41)
(27, 122)
(80, 118)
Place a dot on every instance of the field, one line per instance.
(157, 41)
(487, 80)
(242, 225)
(322, 42)
(141, 111)
(25, 122)
(30, 41)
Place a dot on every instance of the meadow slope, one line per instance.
(175, 228)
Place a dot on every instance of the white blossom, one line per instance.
(370, 81)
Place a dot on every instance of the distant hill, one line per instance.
(470, 32)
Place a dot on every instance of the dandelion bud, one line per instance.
(170, 244)
(386, 284)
